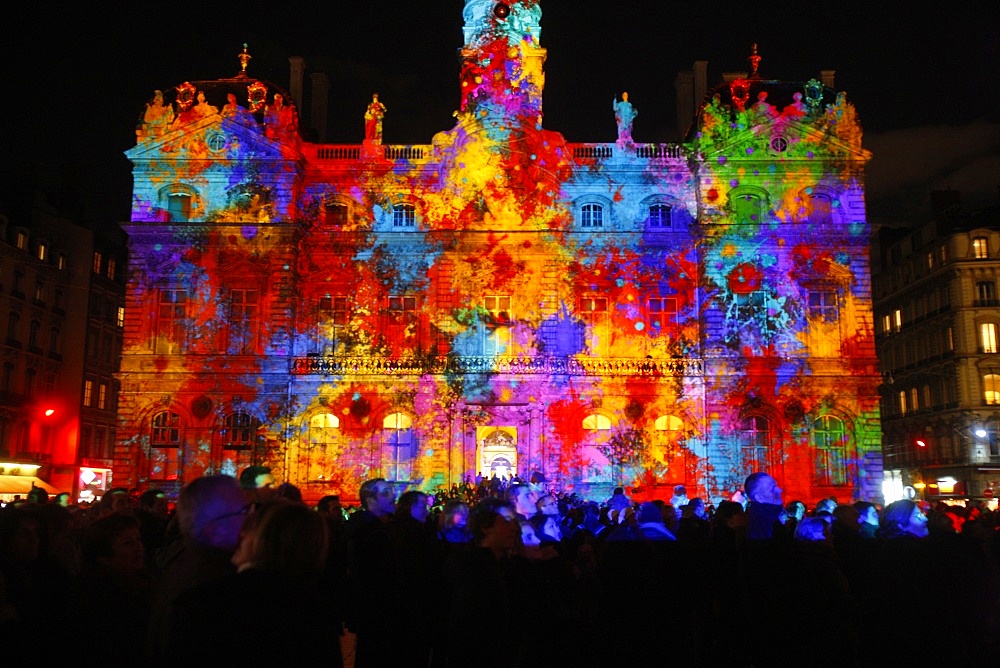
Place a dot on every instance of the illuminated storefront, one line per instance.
(500, 300)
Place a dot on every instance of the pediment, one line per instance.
(781, 138)
(212, 138)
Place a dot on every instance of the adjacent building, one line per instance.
(499, 301)
(938, 313)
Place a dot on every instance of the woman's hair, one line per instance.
(99, 537)
(407, 500)
(290, 539)
(452, 508)
(895, 518)
(811, 529)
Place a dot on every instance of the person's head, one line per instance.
(867, 513)
(378, 497)
(61, 499)
(524, 498)
(329, 506)
(547, 504)
(114, 542)
(846, 516)
(762, 488)
(154, 501)
(492, 530)
(258, 483)
(529, 537)
(116, 500)
(796, 510)
(680, 490)
(812, 529)
(729, 514)
(825, 506)
(413, 504)
(697, 506)
(211, 511)
(284, 537)
(455, 514)
(903, 518)
(650, 513)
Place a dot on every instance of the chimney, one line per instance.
(691, 87)
(826, 76)
(297, 66)
(700, 83)
(320, 98)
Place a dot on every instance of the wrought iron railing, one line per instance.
(546, 365)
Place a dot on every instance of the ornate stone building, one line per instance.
(501, 301)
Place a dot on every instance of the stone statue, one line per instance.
(624, 115)
(157, 118)
(373, 121)
(203, 108)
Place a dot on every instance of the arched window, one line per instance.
(987, 337)
(397, 447)
(748, 208)
(829, 451)
(991, 389)
(820, 208)
(316, 459)
(668, 445)
(242, 442)
(658, 217)
(595, 465)
(165, 450)
(592, 215)
(755, 443)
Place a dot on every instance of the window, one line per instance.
(949, 337)
(98, 262)
(943, 254)
(404, 215)
(594, 313)
(755, 443)
(39, 293)
(397, 446)
(986, 293)
(88, 393)
(662, 311)
(592, 215)
(902, 402)
(980, 248)
(241, 431)
(337, 214)
(668, 436)
(165, 441)
(897, 320)
(42, 251)
(242, 322)
(29, 382)
(178, 207)
(988, 337)
(829, 451)
(402, 324)
(927, 397)
(596, 467)
(120, 319)
(21, 240)
(886, 324)
(914, 396)
(33, 329)
(991, 389)
(497, 333)
(17, 285)
(823, 305)
(930, 259)
(61, 261)
(14, 328)
(316, 459)
(748, 208)
(112, 267)
(102, 396)
(171, 321)
(820, 209)
(659, 216)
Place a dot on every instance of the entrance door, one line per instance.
(496, 452)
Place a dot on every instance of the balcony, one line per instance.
(419, 153)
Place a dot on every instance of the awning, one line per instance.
(21, 484)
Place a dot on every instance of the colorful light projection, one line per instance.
(501, 300)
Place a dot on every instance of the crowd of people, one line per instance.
(243, 572)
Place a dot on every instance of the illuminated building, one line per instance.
(60, 352)
(500, 300)
(938, 314)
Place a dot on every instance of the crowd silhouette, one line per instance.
(243, 572)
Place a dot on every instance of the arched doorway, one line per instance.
(496, 452)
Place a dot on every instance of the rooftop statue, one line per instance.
(373, 121)
(157, 118)
(624, 115)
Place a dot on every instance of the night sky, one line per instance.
(926, 83)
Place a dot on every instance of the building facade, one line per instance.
(500, 301)
(64, 316)
(937, 314)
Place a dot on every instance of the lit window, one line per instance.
(897, 320)
(668, 437)
(980, 248)
(111, 268)
(404, 215)
(120, 320)
(988, 337)
(902, 402)
(164, 457)
(98, 262)
(61, 261)
(594, 313)
(596, 467)
(242, 321)
(886, 324)
(497, 334)
(102, 396)
(659, 216)
(662, 311)
(397, 446)
(930, 260)
(914, 404)
(22, 240)
(241, 431)
(991, 389)
(829, 451)
(316, 460)
(171, 321)
(178, 207)
(592, 215)
(42, 252)
(943, 254)
(88, 392)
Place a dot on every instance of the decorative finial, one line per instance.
(754, 62)
(244, 59)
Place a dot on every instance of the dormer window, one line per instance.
(980, 248)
